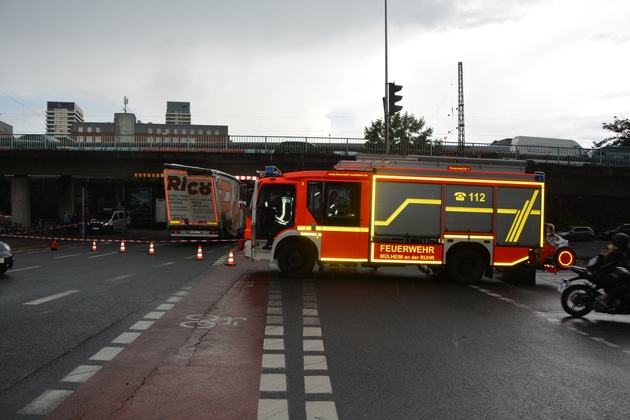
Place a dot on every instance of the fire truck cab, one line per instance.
(459, 216)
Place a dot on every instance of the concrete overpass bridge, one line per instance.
(44, 184)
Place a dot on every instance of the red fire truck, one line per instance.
(460, 216)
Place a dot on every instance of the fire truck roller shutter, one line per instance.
(468, 208)
(518, 216)
(404, 209)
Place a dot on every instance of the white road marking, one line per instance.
(121, 277)
(107, 353)
(164, 264)
(46, 402)
(317, 362)
(25, 268)
(154, 315)
(273, 410)
(141, 325)
(51, 297)
(313, 345)
(273, 344)
(317, 384)
(273, 382)
(312, 332)
(273, 361)
(126, 338)
(321, 410)
(103, 255)
(66, 256)
(274, 330)
(81, 373)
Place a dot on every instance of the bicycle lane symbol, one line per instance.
(210, 321)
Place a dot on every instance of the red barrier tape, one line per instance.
(139, 241)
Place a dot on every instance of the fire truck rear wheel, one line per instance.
(465, 266)
(296, 259)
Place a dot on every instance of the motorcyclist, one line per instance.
(610, 269)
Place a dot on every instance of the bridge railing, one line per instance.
(107, 142)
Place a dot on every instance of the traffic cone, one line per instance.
(93, 246)
(53, 245)
(199, 254)
(122, 246)
(151, 249)
(230, 260)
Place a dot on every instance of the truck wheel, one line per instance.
(465, 267)
(296, 259)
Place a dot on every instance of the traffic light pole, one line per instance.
(386, 97)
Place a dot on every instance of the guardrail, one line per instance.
(101, 142)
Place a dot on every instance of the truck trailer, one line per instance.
(202, 203)
(458, 216)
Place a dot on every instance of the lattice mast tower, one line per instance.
(461, 135)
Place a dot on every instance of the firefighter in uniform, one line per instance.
(283, 209)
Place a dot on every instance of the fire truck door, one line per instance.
(343, 238)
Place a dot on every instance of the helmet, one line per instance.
(620, 240)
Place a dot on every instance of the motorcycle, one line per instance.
(579, 299)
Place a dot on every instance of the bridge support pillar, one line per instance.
(21, 200)
(66, 196)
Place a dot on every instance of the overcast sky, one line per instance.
(547, 68)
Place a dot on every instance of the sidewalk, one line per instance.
(174, 371)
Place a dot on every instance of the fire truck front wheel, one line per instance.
(296, 259)
(465, 266)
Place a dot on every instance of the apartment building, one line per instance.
(60, 116)
(178, 113)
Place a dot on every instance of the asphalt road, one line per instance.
(57, 309)
(388, 344)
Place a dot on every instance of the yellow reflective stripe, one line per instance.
(308, 228)
(513, 211)
(509, 264)
(402, 207)
(357, 260)
(521, 218)
(469, 209)
(484, 237)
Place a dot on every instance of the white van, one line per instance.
(109, 221)
(547, 147)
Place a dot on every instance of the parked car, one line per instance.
(559, 241)
(578, 233)
(624, 228)
(109, 221)
(6, 257)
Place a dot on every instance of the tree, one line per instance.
(407, 135)
(622, 130)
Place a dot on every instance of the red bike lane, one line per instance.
(201, 360)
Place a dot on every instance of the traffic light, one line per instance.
(392, 88)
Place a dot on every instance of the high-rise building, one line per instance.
(60, 116)
(177, 112)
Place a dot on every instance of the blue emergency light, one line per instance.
(272, 170)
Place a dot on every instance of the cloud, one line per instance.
(282, 67)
